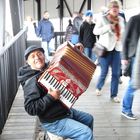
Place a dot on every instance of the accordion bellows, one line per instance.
(70, 71)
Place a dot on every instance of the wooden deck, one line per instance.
(108, 122)
(19, 125)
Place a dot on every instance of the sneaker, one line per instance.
(129, 116)
(116, 99)
(98, 93)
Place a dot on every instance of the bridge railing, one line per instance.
(59, 38)
(11, 58)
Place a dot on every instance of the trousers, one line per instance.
(111, 59)
(78, 126)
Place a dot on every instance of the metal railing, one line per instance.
(11, 58)
(59, 38)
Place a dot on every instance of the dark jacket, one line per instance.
(131, 37)
(37, 101)
(86, 37)
(45, 30)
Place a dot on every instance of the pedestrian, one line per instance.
(71, 33)
(45, 30)
(131, 54)
(110, 28)
(86, 36)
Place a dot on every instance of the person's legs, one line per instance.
(127, 102)
(93, 56)
(104, 64)
(86, 51)
(115, 64)
(83, 117)
(78, 126)
(128, 99)
(49, 49)
(45, 47)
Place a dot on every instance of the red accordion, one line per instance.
(70, 71)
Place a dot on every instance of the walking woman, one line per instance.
(110, 28)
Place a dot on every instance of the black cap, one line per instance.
(31, 49)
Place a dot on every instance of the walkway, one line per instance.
(109, 124)
(19, 125)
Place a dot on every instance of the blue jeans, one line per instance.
(78, 126)
(45, 46)
(128, 99)
(88, 53)
(112, 59)
(129, 95)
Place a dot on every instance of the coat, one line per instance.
(131, 37)
(136, 68)
(86, 36)
(37, 101)
(107, 36)
(45, 30)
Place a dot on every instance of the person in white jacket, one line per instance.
(110, 28)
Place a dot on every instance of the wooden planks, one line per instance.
(108, 122)
(19, 125)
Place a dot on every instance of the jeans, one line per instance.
(45, 46)
(78, 126)
(129, 95)
(88, 53)
(112, 59)
(128, 99)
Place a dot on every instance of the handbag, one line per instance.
(99, 50)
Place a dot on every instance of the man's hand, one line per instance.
(79, 46)
(124, 62)
(34, 24)
(55, 93)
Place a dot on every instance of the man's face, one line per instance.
(36, 60)
(88, 18)
(46, 15)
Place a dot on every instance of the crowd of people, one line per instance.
(122, 43)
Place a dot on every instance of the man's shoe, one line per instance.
(98, 93)
(115, 99)
(129, 116)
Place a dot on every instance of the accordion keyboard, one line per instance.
(70, 71)
(66, 96)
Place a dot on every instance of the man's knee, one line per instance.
(88, 134)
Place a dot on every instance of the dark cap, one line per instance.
(31, 49)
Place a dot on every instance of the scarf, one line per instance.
(115, 21)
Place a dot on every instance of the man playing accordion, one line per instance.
(54, 116)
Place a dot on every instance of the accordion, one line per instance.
(70, 71)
